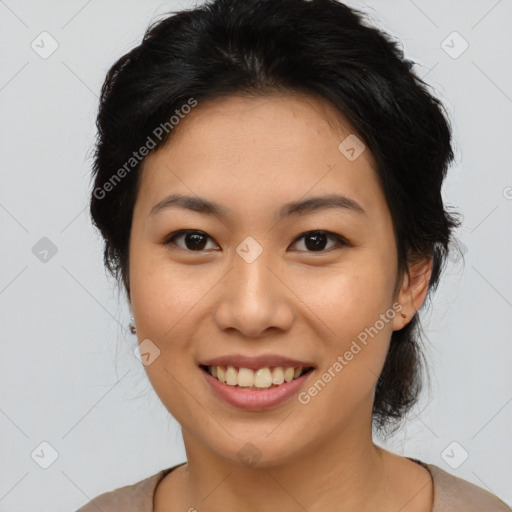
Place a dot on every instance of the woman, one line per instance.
(268, 185)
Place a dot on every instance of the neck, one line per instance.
(348, 473)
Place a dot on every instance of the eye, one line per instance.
(315, 241)
(194, 240)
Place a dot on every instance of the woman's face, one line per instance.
(250, 281)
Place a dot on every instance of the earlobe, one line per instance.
(413, 291)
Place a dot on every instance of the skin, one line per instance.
(252, 155)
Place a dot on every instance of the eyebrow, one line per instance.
(301, 207)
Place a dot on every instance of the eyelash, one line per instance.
(341, 242)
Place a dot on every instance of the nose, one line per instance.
(254, 299)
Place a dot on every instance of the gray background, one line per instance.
(68, 374)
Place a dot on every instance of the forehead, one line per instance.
(259, 149)
(232, 122)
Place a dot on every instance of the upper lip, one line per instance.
(241, 361)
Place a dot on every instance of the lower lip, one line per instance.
(256, 400)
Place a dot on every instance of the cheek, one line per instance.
(355, 303)
(353, 295)
(163, 294)
(357, 308)
(167, 302)
(163, 301)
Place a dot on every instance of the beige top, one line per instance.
(451, 494)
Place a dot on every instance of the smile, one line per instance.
(254, 389)
(258, 379)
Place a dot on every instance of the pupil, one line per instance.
(196, 241)
(318, 244)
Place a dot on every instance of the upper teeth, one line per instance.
(261, 378)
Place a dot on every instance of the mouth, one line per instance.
(257, 379)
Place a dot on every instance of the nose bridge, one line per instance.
(253, 299)
(253, 277)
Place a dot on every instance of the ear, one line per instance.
(413, 291)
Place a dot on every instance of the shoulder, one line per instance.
(137, 497)
(453, 494)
